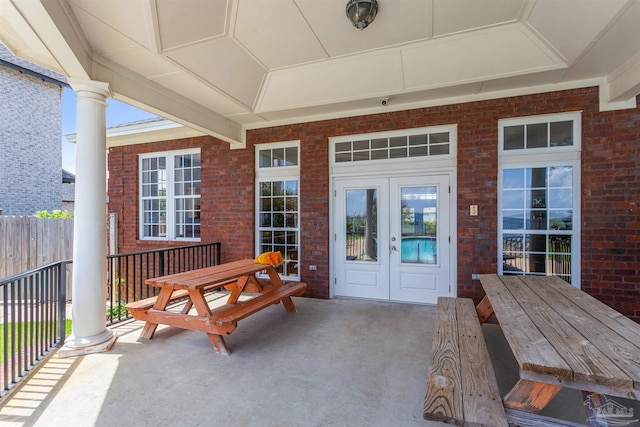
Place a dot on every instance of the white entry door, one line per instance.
(392, 238)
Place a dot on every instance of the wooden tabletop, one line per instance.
(205, 277)
(561, 335)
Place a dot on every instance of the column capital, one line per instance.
(93, 86)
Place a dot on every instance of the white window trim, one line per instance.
(169, 155)
(410, 164)
(545, 157)
(526, 153)
(279, 173)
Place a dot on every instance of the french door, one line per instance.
(392, 237)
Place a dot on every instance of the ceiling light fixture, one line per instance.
(361, 13)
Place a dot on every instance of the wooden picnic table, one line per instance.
(237, 276)
(561, 337)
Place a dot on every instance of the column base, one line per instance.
(94, 344)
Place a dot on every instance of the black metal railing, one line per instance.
(128, 272)
(33, 312)
(33, 319)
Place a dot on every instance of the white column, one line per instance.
(89, 292)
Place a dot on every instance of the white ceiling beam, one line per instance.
(624, 83)
(150, 96)
(57, 30)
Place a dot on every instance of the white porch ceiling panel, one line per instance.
(222, 66)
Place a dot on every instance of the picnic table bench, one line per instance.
(237, 276)
(461, 385)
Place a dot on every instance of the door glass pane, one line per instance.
(361, 224)
(419, 225)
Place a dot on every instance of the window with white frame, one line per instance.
(170, 195)
(539, 196)
(278, 204)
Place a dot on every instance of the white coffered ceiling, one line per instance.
(223, 66)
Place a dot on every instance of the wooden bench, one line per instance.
(237, 312)
(461, 385)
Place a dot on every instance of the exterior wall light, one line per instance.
(361, 13)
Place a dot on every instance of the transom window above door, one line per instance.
(406, 144)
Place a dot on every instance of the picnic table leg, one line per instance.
(484, 310)
(592, 406)
(196, 296)
(219, 344)
(238, 287)
(200, 303)
(162, 300)
(288, 304)
(530, 396)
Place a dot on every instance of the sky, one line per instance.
(117, 113)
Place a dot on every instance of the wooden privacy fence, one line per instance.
(28, 242)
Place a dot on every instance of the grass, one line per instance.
(25, 331)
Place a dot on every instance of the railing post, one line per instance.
(62, 301)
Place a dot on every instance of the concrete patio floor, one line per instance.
(334, 363)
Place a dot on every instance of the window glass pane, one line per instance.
(265, 188)
(266, 237)
(343, 147)
(397, 153)
(343, 157)
(537, 135)
(560, 198)
(359, 156)
(561, 177)
(535, 263)
(265, 158)
(291, 156)
(265, 220)
(278, 204)
(439, 137)
(513, 199)
(440, 149)
(536, 220)
(361, 220)
(292, 220)
(277, 157)
(292, 204)
(291, 188)
(379, 143)
(278, 188)
(513, 137)
(536, 199)
(513, 178)
(379, 154)
(418, 151)
(419, 225)
(536, 177)
(513, 253)
(561, 134)
(513, 219)
(561, 219)
(278, 220)
(361, 145)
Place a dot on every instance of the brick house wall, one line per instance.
(610, 189)
(30, 143)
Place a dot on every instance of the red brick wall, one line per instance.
(610, 189)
